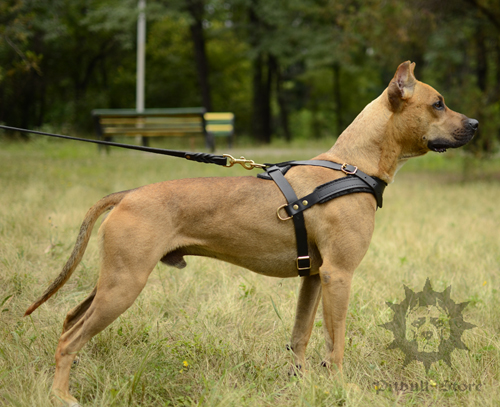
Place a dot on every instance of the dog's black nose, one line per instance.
(474, 124)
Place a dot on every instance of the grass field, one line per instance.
(214, 334)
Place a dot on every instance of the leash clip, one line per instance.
(247, 164)
(346, 171)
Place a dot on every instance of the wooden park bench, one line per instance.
(179, 122)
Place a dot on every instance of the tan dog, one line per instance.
(234, 219)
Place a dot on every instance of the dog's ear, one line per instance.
(402, 85)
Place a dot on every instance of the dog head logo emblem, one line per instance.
(427, 326)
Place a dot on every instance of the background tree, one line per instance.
(287, 69)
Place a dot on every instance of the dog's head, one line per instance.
(420, 110)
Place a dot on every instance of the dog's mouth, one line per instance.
(460, 137)
(440, 146)
(438, 149)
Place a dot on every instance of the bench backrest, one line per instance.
(150, 122)
(219, 124)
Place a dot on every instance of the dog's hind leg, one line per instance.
(107, 305)
(307, 305)
(124, 273)
(79, 311)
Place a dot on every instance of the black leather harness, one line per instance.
(354, 181)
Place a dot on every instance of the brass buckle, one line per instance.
(304, 258)
(278, 212)
(343, 169)
(247, 164)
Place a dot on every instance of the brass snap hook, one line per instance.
(247, 164)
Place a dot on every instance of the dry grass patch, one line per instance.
(214, 334)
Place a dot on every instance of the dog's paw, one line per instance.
(58, 401)
(295, 371)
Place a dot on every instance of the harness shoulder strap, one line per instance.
(376, 184)
(327, 192)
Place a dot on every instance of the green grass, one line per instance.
(214, 334)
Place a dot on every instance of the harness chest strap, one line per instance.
(303, 259)
(355, 181)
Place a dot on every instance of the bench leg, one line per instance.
(210, 142)
(101, 147)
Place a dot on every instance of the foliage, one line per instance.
(296, 68)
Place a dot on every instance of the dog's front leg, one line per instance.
(307, 306)
(336, 286)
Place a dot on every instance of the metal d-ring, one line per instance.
(345, 171)
(278, 212)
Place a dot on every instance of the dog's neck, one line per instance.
(369, 142)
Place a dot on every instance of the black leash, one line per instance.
(224, 160)
(355, 181)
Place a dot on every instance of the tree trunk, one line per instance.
(282, 102)
(266, 102)
(481, 60)
(338, 98)
(482, 142)
(196, 9)
(261, 83)
(261, 112)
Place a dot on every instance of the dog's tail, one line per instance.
(81, 244)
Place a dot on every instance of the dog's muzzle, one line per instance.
(460, 137)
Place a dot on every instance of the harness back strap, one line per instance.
(377, 185)
(355, 181)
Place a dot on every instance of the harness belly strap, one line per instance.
(355, 181)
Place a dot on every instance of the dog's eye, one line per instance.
(437, 322)
(418, 322)
(439, 105)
